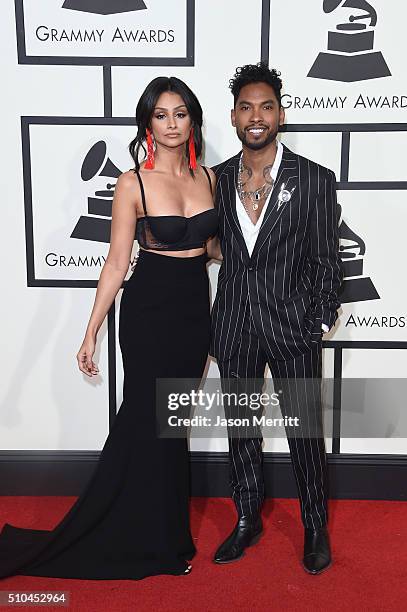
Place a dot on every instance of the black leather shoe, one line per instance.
(317, 553)
(246, 533)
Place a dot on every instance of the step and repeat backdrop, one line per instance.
(73, 72)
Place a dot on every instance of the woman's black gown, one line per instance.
(132, 519)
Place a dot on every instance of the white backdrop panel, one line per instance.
(371, 364)
(372, 216)
(377, 363)
(299, 32)
(374, 156)
(45, 401)
(60, 196)
(322, 147)
(53, 29)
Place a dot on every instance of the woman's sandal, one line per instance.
(188, 570)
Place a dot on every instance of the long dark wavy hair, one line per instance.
(145, 109)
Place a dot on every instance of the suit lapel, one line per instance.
(227, 192)
(288, 170)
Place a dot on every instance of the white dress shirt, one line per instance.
(251, 230)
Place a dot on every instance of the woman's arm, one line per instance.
(213, 245)
(115, 268)
(213, 249)
(213, 181)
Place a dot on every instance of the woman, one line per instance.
(132, 520)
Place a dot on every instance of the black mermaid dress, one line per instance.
(132, 519)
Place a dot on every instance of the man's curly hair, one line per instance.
(255, 73)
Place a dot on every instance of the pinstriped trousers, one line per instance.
(300, 398)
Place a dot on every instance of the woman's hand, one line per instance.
(85, 354)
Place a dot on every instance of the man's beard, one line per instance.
(256, 146)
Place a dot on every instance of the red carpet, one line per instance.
(369, 573)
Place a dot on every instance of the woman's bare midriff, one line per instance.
(186, 253)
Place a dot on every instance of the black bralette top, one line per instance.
(174, 232)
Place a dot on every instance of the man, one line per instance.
(277, 293)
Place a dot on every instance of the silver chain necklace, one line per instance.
(254, 196)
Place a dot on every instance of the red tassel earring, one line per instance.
(149, 165)
(192, 153)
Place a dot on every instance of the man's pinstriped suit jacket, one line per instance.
(292, 278)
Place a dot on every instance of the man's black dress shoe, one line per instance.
(317, 553)
(246, 533)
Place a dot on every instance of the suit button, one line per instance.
(250, 267)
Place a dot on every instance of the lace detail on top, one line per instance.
(174, 232)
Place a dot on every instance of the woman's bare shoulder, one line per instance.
(127, 189)
(211, 175)
(209, 170)
(128, 181)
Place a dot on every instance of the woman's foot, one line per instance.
(188, 569)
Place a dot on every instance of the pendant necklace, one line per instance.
(254, 196)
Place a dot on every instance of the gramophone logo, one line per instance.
(355, 287)
(104, 7)
(350, 55)
(96, 224)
